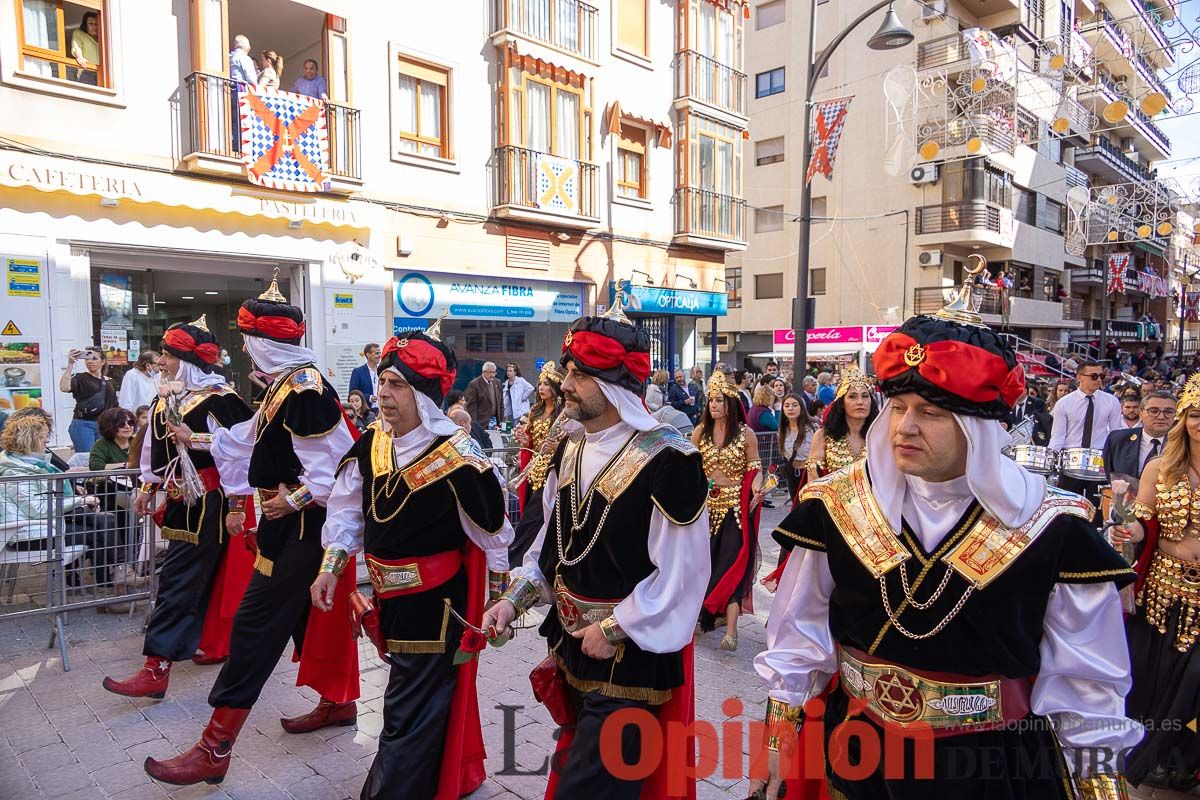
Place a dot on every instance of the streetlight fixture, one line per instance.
(892, 34)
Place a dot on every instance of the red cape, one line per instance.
(233, 576)
(722, 594)
(680, 709)
(1149, 546)
(523, 491)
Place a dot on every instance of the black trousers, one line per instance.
(1089, 489)
(184, 585)
(584, 775)
(416, 706)
(273, 610)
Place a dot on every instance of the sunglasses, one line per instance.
(1095, 376)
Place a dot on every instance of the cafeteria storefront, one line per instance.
(488, 318)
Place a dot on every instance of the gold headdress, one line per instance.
(963, 308)
(1190, 397)
(272, 294)
(201, 323)
(550, 374)
(434, 331)
(718, 386)
(853, 378)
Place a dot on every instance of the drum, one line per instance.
(1082, 463)
(1034, 458)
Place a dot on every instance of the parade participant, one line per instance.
(967, 607)
(537, 448)
(1163, 631)
(288, 452)
(1084, 418)
(842, 440)
(199, 534)
(729, 450)
(623, 555)
(426, 508)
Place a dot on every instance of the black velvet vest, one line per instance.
(661, 469)
(222, 405)
(412, 510)
(299, 403)
(998, 629)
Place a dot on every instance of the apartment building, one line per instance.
(965, 142)
(505, 172)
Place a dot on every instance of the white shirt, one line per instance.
(1084, 674)
(344, 522)
(1137, 423)
(516, 397)
(138, 389)
(1145, 447)
(660, 614)
(1068, 420)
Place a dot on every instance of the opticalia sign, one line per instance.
(654, 300)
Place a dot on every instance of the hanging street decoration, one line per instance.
(284, 141)
(1191, 307)
(829, 118)
(1117, 264)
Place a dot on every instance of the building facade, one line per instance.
(504, 173)
(966, 142)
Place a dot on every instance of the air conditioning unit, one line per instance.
(930, 258)
(923, 173)
(933, 10)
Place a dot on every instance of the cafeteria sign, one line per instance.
(24, 277)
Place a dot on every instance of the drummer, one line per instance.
(1083, 419)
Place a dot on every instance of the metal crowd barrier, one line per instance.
(70, 542)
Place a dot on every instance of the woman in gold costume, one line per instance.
(730, 452)
(843, 439)
(1164, 629)
(536, 451)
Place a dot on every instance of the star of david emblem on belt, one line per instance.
(568, 612)
(914, 355)
(898, 697)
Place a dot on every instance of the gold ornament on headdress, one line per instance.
(853, 378)
(1190, 397)
(201, 323)
(434, 331)
(272, 294)
(616, 311)
(718, 386)
(963, 308)
(550, 374)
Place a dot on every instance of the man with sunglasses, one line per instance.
(1084, 418)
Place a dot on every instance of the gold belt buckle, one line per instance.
(901, 697)
(575, 612)
(388, 579)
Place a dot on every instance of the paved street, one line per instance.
(65, 737)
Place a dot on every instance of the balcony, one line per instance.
(996, 136)
(1072, 308)
(1076, 177)
(540, 187)
(568, 26)
(965, 223)
(1106, 161)
(709, 219)
(1023, 311)
(698, 77)
(1086, 276)
(942, 52)
(212, 134)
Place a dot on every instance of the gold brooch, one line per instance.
(914, 355)
(403, 343)
(567, 341)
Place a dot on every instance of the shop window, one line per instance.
(768, 151)
(420, 118)
(769, 14)
(631, 27)
(816, 281)
(733, 286)
(514, 342)
(769, 82)
(768, 219)
(64, 40)
(631, 160)
(769, 286)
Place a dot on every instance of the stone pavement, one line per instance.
(65, 737)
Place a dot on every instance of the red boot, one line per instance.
(208, 760)
(325, 714)
(150, 681)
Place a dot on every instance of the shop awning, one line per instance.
(21, 170)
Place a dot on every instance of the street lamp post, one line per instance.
(891, 35)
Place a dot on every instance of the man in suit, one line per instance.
(1029, 404)
(485, 396)
(1127, 450)
(365, 378)
(742, 379)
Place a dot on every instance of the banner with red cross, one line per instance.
(1191, 307)
(1117, 264)
(829, 117)
(285, 144)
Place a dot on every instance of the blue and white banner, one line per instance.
(429, 295)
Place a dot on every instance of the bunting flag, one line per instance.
(285, 144)
(1191, 307)
(829, 117)
(1117, 264)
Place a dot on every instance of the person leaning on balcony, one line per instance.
(241, 65)
(85, 49)
(312, 83)
(272, 71)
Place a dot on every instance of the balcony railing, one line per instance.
(569, 25)
(1106, 22)
(709, 81)
(931, 299)
(213, 125)
(942, 52)
(1076, 178)
(994, 134)
(1105, 150)
(1149, 74)
(699, 212)
(1153, 26)
(1072, 308)
(958, 217)
(522, 178)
